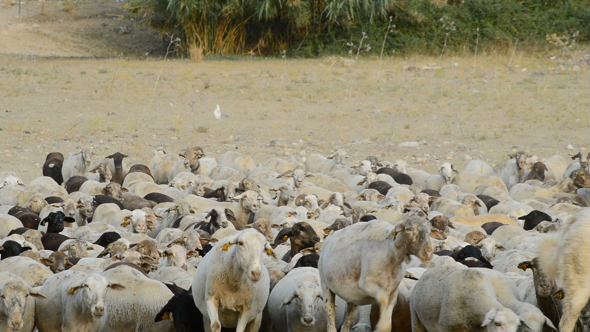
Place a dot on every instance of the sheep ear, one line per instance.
(181, 155)
(270, 252)
(225, 247)
(287, 300)
(47, 261)
(73, 289)
(34, 293)
(126, 222)
(451, 225)
(308, 175)
(489, 316)
(499, 247)
(525, 265)
(396, 230)
(286, 174)
(362, 182)
(229, 214)
(549, 324)
(576, 156)
(240, 196)
(437, 234)
(116, 286)
(192, 253)
(523, 326)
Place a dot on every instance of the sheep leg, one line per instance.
(254, 325)
(351, 310)
(386, 305)
(417, 325)
(214, 323)
(243, 322)
(572, 306)
(330, 299)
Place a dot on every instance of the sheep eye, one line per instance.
(240, 243)
(498, 324)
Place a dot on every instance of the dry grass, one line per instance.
(114, 106)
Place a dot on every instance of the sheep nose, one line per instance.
(99, 310)
(316, 238)
(256, 274)
(308, 320)
(16, 324)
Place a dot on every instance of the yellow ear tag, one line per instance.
(285, 238)
(225, 247)
(269, 252)
(125, 224)
(559, 295)
(71, 290)
(166, 316)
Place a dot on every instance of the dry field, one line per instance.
(458, 108)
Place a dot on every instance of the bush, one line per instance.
(311, 28)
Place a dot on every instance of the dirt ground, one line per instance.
(69, 80)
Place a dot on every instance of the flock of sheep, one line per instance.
(192, 243)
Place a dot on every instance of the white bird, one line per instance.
(217, 113)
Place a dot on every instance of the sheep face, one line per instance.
(176, 256)
(56, 222)
(448, 172)
(85, 205)
(190, 239)
(250, 201)
(400, 166)
(114, 190)
(13, 300)
(77, 249)
(338, 157)
(580, 178)
(137, 221)
(36, 203)
(365, 167)
(442, 223)
(501, 320)
(58, 262)
(11, 181)
(307, 296)
(87, 155)
(337, 199)
(302, 235)
(93, 289)
(34, 236)
(545, 286)
(192, 156)
(247, 248)
(151, 219)
(69, 208)
(118, 159)
(489, 248)
(414, 234)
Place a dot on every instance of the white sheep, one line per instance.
(234, 263)
(133, 221)
(162, 163)
(74, 302)
(357, 259)
(239, 161)
(31, 271)
(77, 163)
(556, 166)
(190, 162)
(133, 308)
(521, 191)
(8, 223)
(565, 256)
(479, 167)
(451, 298)
(446, 174)
(469, 181)
(296, 305)
(316, 163)
(17, 308)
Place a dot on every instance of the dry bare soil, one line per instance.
(67, 80)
